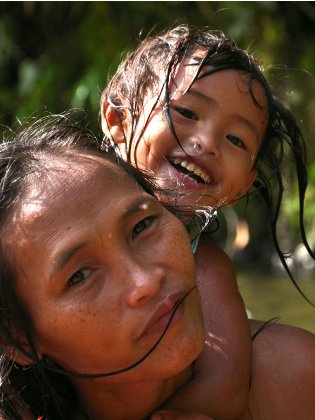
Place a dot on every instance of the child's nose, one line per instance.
(205, 143)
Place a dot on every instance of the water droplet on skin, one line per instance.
(143, 206)
(197, 148)
(194, 149)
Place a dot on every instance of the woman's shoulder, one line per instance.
(283, 374)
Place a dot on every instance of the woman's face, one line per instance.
(101, 265)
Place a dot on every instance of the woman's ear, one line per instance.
(112, 123)
(23, 358)
(19, 350)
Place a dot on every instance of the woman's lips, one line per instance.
(162, 314)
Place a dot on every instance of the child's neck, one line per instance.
(128, 401)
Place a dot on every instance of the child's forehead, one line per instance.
(191, 69)
(185, 72)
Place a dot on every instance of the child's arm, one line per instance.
(177, 415)
(220, 388)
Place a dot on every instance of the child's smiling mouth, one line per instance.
(190, 169)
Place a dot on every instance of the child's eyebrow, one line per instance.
(248, 123)
(211, 101)
(214, 104)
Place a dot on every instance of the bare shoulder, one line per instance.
(216, 280)
(223, 369)
(283, 373)
(284, 341)
(213, 262)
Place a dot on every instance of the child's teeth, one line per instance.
(199, 173)
(191, 167)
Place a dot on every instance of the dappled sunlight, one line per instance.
(215, 343)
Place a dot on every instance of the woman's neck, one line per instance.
(128, 401)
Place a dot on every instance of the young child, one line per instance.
(196, 111)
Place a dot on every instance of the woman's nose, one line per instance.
(144, 282)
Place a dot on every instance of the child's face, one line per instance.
(100, 267)
(219, 127)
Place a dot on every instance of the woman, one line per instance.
(100, 315)
(90, 279)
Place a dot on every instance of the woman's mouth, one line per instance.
(163, 314)
(190, 169)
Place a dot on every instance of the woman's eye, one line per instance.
(141, 226)
(79, 277)
(236, 141)
(186, 113)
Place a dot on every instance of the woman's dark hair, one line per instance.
(148, 71)
(28, 392)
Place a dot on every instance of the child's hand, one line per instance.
(178, 415)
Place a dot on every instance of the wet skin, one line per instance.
(220, 129)
(100, 267)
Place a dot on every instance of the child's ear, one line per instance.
(112, 123)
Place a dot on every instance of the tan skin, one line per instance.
(283, 366)
(283, 377)
(105, 264)
(72, 277)
(218, 125)
(220, 116)
(219, 293)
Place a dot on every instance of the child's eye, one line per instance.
(236, 141)
(141, 226)
(186, 113)
(79, 277)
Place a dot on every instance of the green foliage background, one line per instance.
(57, 55)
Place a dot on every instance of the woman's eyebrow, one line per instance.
(139, 205)
(63, 257)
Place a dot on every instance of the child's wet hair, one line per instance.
(147, 72)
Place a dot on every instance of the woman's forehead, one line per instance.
(67, 185)
(58, 175)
